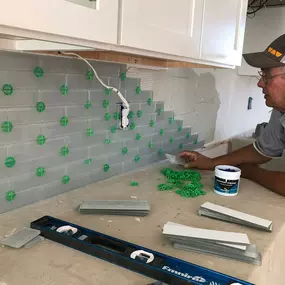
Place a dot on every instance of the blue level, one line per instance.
(158, 266)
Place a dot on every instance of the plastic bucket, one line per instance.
(226, 181)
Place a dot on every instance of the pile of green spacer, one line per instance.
(186, 183)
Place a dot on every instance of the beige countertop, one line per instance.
(49, 263)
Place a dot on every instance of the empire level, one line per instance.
(158, 266)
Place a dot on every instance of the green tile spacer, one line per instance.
(41, 139)
(164, 187)
(161, 132)
(196, 141)
(107, 141)
(151, 123)
(131, 115)
(150, 145)
(181, 145)
(139, 113)
(107, 117)
(106, 167)
(171, 140)
(89, 132)
(105, 104)
(138, 136)
(124, 150)
(179, 182)
(88, 161)
(108, 91)
(10, 162)
(40, 106)
(10, 196)
(116, 116)
(149, 101)
(123, 76)
(188, 135)
(38, 72)
(137, 158)
(113, 129)
(7, 127)
(132, 126)
(63, 89)
(180, 128)
(160, 152)
(64, 121)
(40, 171)
(89, 75)
(7, 89)
(171, 120)
(134, 183)
(88, 105)
(159, 111)
(138, 90)
(64, 151)
(65, 179)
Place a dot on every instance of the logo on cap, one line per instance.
(274, 52)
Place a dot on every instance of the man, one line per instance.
(271, 142)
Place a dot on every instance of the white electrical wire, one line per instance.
(96, 75)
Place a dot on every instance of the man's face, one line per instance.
(273, 87)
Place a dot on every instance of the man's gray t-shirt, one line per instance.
(271, 141)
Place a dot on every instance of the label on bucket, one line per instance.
(226, 186)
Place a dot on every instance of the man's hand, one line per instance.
(194, 159)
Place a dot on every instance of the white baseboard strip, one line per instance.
(173, 229)
(257, 260)
(219, 243)
(115, 207)
(229, 215)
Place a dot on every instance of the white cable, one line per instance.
(96, 75)
(126, 109)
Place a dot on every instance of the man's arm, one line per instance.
(273, 180)
(247, 154)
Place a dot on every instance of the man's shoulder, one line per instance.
(277, 119)
(276, 115)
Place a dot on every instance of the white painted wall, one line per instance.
(212, 101)
(233, 118)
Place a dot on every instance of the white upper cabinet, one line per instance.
(85, 21)
(166, 26)
(223, 31)
(201, 31)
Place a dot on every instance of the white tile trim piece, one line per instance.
(260, 222)
(256, 261)
(242, 247)
(219, 236)
(175, 159)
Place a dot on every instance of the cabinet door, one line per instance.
(223, 31)
(166, 26)
(63, 18)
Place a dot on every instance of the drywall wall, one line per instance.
(233, 118)
(212, 101)
(59, 127)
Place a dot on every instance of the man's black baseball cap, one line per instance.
(273, 56)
